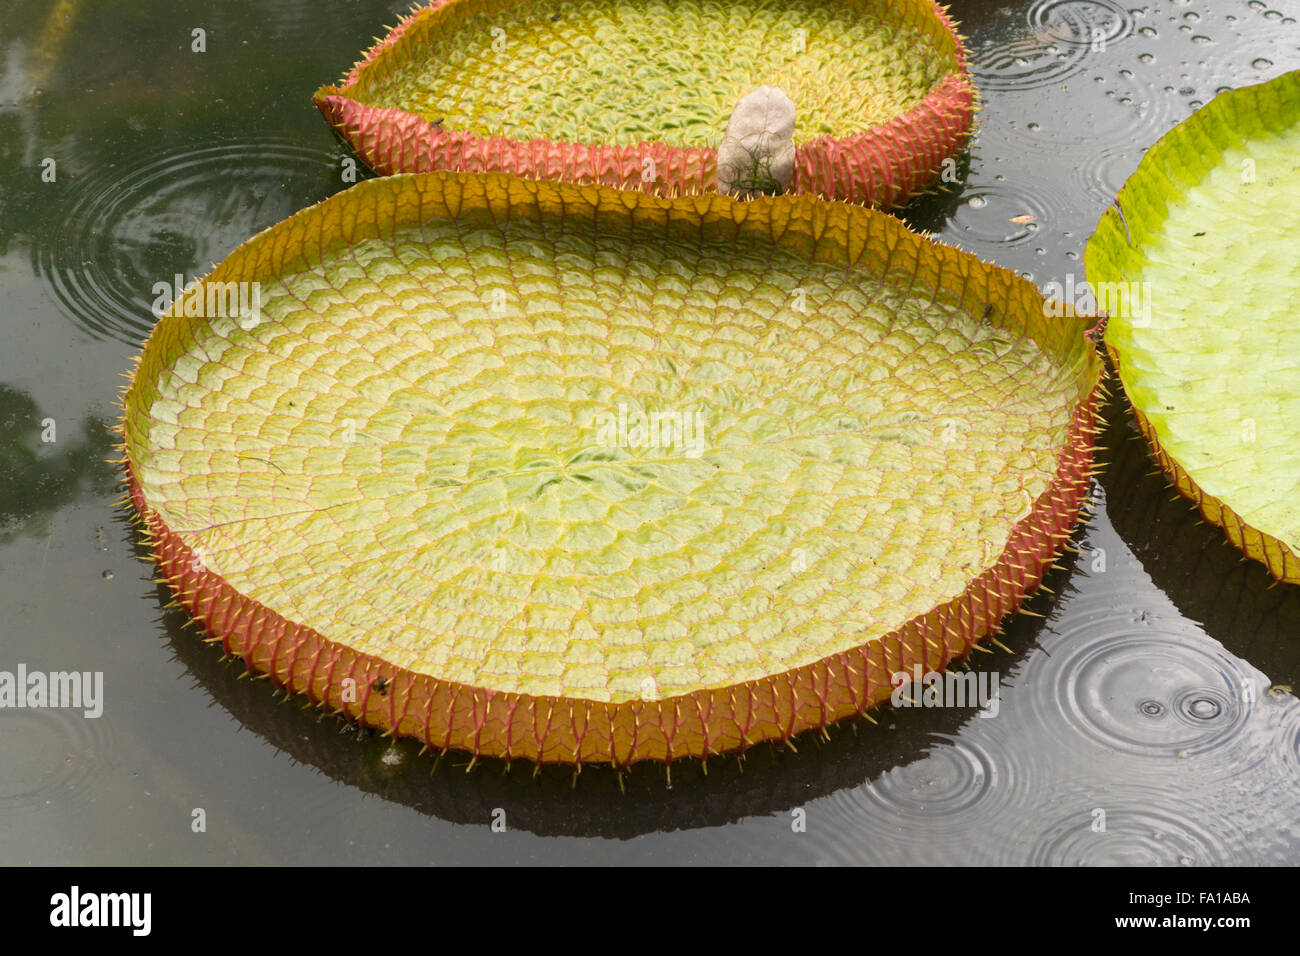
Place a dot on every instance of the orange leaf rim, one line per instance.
(452, 715)
(883, 166)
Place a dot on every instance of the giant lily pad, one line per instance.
(637, 93)
(1194, 262)
(572, 473)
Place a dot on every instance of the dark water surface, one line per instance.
(1156, 690)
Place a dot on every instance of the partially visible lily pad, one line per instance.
(1197, 264)
(637, 93)
(570, 473)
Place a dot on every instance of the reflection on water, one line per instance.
(1154, 694)
(1142, 827)
(1148, 718)
(1003, 213)
(769, 780)
(1047, 43)
(1195, 566)
(45, 464)
(125, 227)
(51, 756)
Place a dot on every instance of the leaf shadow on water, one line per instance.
(772, 778)
(930, 210)
(1234, 598)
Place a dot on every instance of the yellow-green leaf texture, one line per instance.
(621, 71)
(410, 450)
(1207, 230)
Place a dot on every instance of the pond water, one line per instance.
(1148, 717)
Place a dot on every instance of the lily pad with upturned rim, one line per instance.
(637, 93)
(404, 487)
(1197, 261)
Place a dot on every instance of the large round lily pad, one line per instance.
(637, 93)
(578, 474)
(1196, 264)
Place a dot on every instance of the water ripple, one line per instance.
(951, 780)
(1057, 40)
(1147, 694)
(51, 755)
(964, 801)
(1289, 739)
(1135, 827)
(997, 214)
(1104, 171)
(1125, 682)
(128, 226)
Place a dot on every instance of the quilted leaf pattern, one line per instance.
(695, 472)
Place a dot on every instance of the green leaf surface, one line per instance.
(572, 443)
(637, 94)
(1196, 264)
(628, 70)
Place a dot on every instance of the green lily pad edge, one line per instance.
(1189, 263)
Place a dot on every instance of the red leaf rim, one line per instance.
(882, 166)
